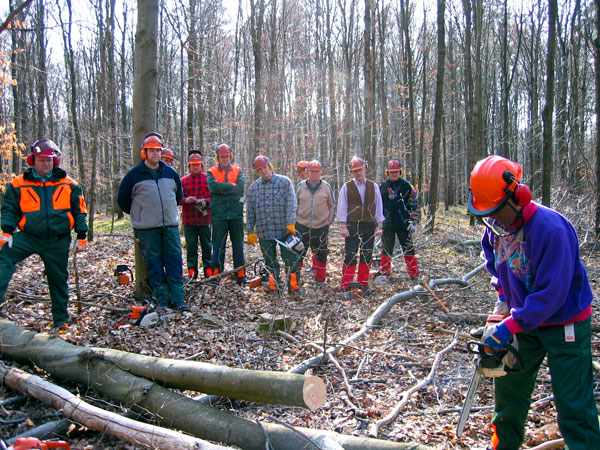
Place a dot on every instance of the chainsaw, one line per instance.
(487, 363)
(261, 274)
(33, 443)
(141, 316)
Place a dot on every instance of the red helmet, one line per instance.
(357, 163)
(223, 150)
(393, 165)
(493, 181)
(168, 154)
(315, 165)
(44, 147)
(301, 167)
(262, 161)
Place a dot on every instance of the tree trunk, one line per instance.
(72, 406)
(597, 83)
(548, 111)
(438, 113)
(411, 154)
(257, 14)
(262, 386)
(81, 365)
(145, 87)
(369, 72)
(69, 57)
(41, 72)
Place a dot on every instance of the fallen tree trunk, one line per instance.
(128, 430)
(262, 386)
(81, 365)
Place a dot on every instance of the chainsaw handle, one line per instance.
(479, 348)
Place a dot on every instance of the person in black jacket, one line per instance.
(401, 210)
(150, 193)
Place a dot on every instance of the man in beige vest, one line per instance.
(360, 213)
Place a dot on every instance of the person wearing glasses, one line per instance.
(532, 253)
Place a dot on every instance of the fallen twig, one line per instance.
(405, 396)
(375, 319)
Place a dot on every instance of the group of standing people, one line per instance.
(531, 251)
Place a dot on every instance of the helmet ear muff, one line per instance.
(143, 153)
(519, 192)
(201, 165)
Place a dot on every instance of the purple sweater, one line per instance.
(539, 271)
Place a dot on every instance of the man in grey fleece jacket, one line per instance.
(150, 193)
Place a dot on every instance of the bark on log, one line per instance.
(81, 365)
(262, 386)
(136, 433)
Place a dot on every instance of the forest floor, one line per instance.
(223, 329)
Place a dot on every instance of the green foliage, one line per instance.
(102, 225)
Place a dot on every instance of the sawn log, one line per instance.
(170, 409)
(72, 406)
(262, 386)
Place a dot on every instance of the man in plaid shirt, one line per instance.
(271, 213)
(196, 214)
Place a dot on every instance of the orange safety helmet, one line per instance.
(357, 163)
(315, 164)
(301, 167)
(194, 158)
(168, 154)
(151, 140)
(493, 181)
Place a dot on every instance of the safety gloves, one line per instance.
(496, 336)
(412, 227)
(81, 245)
(252, 238)
(291, 228)
(5, 238)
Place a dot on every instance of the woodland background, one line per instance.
(438, 85)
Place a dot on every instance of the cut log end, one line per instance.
(314, 392)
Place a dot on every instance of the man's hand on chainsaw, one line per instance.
(496, 336)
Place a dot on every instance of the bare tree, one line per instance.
(548, 110)
(438, 114)
(597, 108)
(145, 84)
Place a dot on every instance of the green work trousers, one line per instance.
(194, 235)
(220, 229)
(291, 260)
(570, 365)
(161, 248)
(55, 255)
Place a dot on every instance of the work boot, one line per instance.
(182, 307)
(347, 276)
(242, 281)
(412, 266)
(386, 265)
